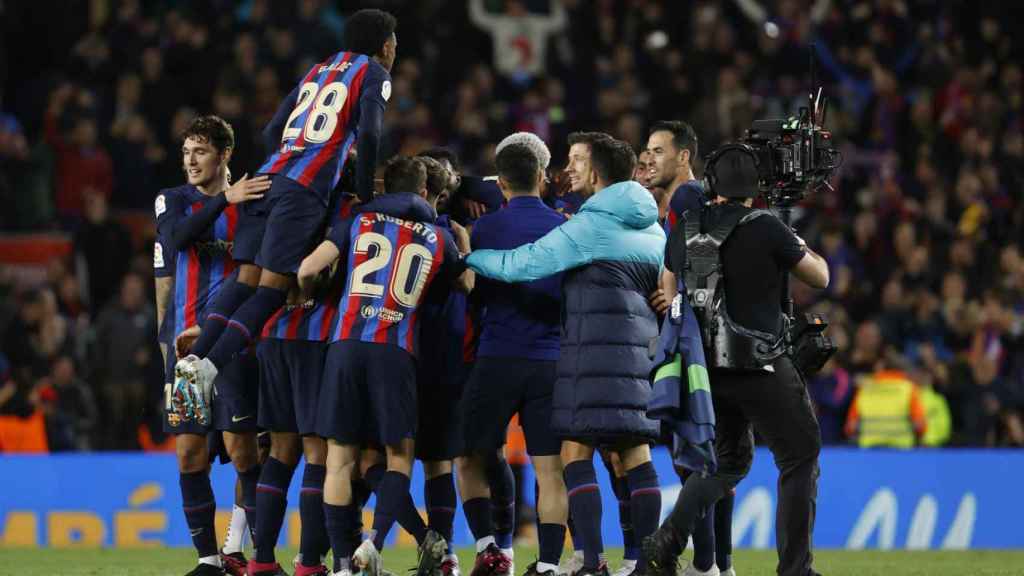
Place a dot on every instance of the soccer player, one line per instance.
(440, 375)
(610, 253)
(164, 267)
(515, 367)
(291, 357)
(197, 222)
(391, 253)
(672, 145)
(338, 102)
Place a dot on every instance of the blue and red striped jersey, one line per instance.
(202, 266)
(324, 119)
(390, 263)
(314, 320)
(688, 196)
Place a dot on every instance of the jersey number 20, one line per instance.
(402, 290)
(323, 119)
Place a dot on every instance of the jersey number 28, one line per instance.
(323, 119)
(402, 290)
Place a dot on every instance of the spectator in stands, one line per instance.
(520, 37)
(103, 249)
(83, 165)
(123, 348)
(70, 408)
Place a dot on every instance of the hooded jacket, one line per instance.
(611, 251)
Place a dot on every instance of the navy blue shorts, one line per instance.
(368, 394)
(290, 372)
(234, 404)
(279, 230)
(439, 436)
(497, 389)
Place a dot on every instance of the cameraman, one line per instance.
(755, 253)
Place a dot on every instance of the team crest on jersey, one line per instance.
(160, 205)
(173, 419)
(385, 90)
(158, 255)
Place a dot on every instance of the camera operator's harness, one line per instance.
(726, 343)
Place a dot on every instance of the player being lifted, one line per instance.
(197, 222)
(339, 101)
(392, 254)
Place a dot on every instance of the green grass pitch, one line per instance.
(177, 561)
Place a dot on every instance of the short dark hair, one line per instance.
(613, 160)
(518, 165)
(404, 174)
(212, 129)
(683, 136)
(367, 30)
(587, 138)
(437, 176)
(440, 153)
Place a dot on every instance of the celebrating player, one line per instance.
(197, 222)
(392, 254)
(338, 102)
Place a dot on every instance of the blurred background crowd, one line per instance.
(922, 234)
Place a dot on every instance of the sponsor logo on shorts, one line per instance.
(240, 418)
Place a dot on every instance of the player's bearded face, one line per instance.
(202, 163)
(663, 159)
(579, 169)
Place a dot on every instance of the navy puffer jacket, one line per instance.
(612, 249)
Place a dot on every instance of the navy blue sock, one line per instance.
(723, 531)
(585, 507)
(551, 538)
(248, 480)
(405, 510)
(271, 502)
(371, 478)
(478, 516)
(313, 542)
(644, 501)
(439, 493)
(338, 522)
(245, 325)
(631, 550)
(503, 499)
(392, 493)
(231, 295)
(577, 542)
(704, 540)
(199, 507)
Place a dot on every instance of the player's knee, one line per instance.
(269, 279)
(315, 450)
(285, 448)
(435, 468)
(249, 274)
(241, 448)
(192, 453)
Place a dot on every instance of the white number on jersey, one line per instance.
(323, 118)
(402, 290)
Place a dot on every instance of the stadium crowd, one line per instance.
(922, 235)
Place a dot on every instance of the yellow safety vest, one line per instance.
(883, 405)
(940, 422)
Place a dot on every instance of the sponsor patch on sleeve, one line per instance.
(158, 255)
(385, 90)
(160, 206)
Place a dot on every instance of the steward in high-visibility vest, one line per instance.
(887, 411)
